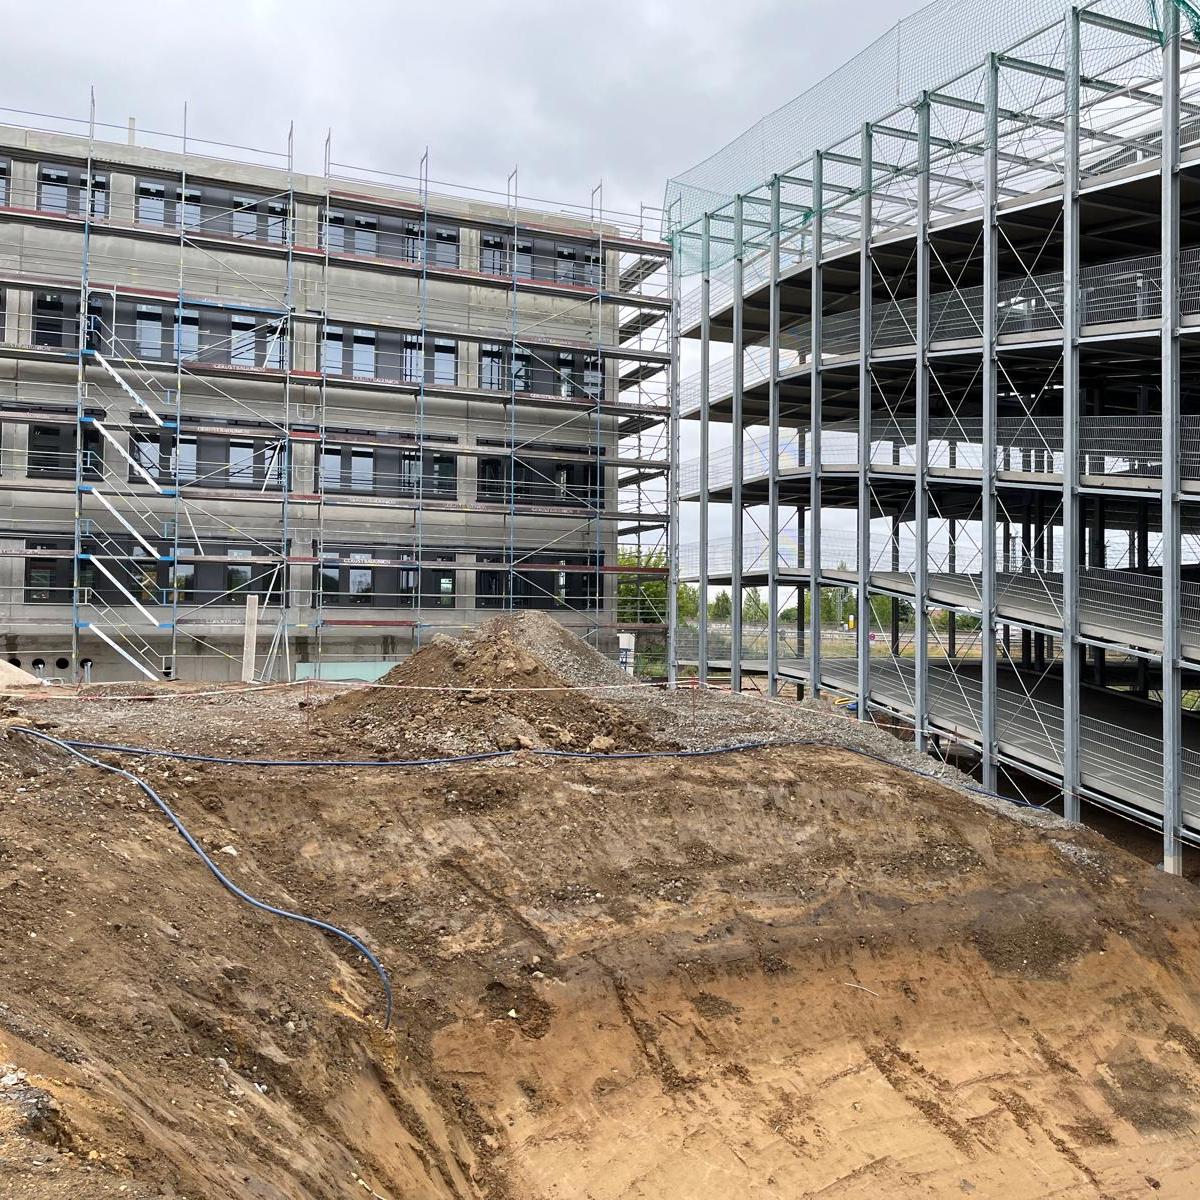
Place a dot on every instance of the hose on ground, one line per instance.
(490, 755)
(76, 749)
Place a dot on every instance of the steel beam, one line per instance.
(739, 365)
(773, 452)
(705, 352)
(1070, 470)
(921, 483)
(816, 300)
(1172, 689)
(988, 498)
(865, 285)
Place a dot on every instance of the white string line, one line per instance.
(58, 694)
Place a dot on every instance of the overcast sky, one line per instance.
(624, 91)
(628, 92)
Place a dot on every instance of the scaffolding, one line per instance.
(945, 303)
(341, 413)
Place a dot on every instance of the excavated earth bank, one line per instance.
(786, 972)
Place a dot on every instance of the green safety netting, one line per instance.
(941, 43)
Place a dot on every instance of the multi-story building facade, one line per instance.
(950, 333)
(376, 410)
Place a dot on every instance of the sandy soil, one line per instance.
(790, 972)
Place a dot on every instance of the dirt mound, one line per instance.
(11, 676)
(492, 691)
(779, 973)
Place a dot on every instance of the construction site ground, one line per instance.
(781, 972)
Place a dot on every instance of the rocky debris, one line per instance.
(491, 691)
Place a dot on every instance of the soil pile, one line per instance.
(492, 691)
(11, 676)
(780, 973)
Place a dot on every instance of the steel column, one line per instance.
(673, 474)
(705, 351)
(988, 498)
(814, 466)
(921, 484)
(1070, 498)
(739, 350)
(1172, 689)
(773, 453)
(865, 284)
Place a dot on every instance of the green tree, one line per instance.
(754, 607)
(720, 608)
(642, 599)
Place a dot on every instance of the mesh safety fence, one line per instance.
(929, 50)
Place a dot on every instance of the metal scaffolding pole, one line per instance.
(1172, 688)
(735, 590)
(921, 484)
(988, 498)
(705, 352)
(672, 477)
(814, 478)
(865, 283)
(1070, 470)
(773, 454)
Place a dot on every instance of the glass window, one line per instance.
(151, 203)
(242, 342)
(491, 254)
(331, 357)
(591, 269)
(187, 334)
(276, 346)
(564, 266)
(182, 578)
(3, 183)
(445, 248)
(562, 480)
(444, 473)
(99, 197)
(523, 263)
(244, 217)
(146, 453)
(148, 332)
(362, 470)
(184, 463)
(331, 469)
(52, 189)
(491, 366)
(410, 471)
(521, 381)
(361, 580)
(40, 575)
(276, 221)
(445, 589)
(238, 576)
(591, 376)
(335, 232)
(241, 462)
(445, 358)
(49, 322)
(187, 208)
(414, 236)
(330, 581)
(566, 374)
(411, 353)
(366, 237)
(273, 456)
(364, 354)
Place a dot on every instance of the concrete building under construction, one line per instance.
(945, 306)
(373, 407)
